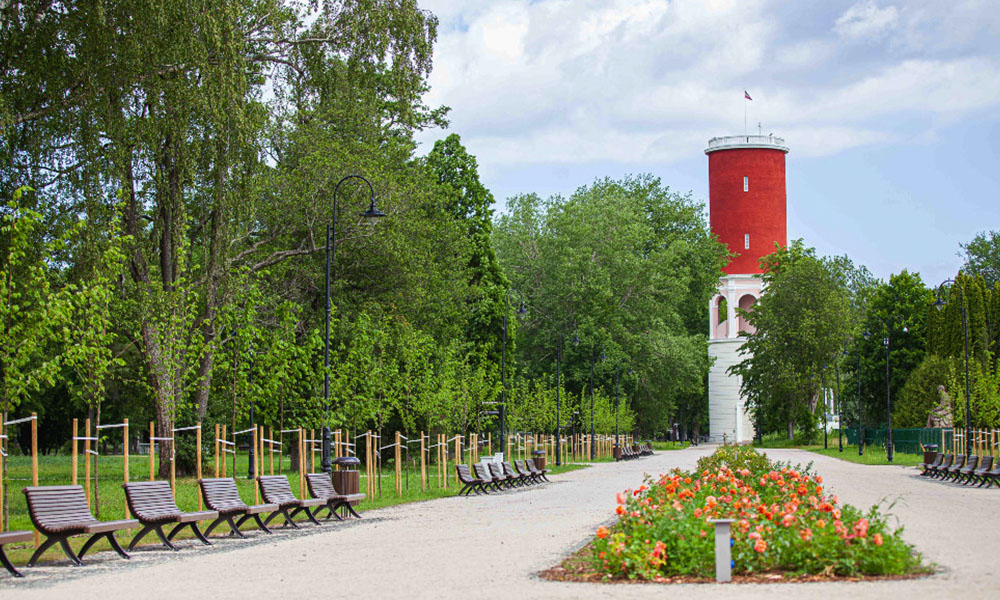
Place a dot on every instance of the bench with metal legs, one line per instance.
(222, 496)
(152, 502)
(320, 486)
(60, 511)
(12, 537)
(275, 489)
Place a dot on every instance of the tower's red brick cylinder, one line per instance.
(746, 191)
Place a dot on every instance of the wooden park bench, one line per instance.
(522, 468)
(321, 487)
(518, 478)
(956, 466)
(534, 469)
(941, 469)
(932, 466)
(496, 471)
(275, 489)
(60, 512)
(965, 473)
(992, 476)
(980, 474)
(470, 483)
(489, 482)
(152, 502)
(222, 496)
(12, 537)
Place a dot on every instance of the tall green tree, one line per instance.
(625, 265)
(800, 324)
(982, 256)
(470, 203)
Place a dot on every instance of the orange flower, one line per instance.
(806, 534)
(819, 489)
(620, 509)
(819, 479)
(620, 498)
(877, 538)
(760, 545)
(802, 490)
(703, 533)
(820, 524)
(697, 512)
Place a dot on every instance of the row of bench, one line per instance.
(60, 512)
(952, 467)
(498, 476)
(635, 451)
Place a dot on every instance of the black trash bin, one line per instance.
(539, 456)
(930, 453)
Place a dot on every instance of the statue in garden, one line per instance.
(940, 415)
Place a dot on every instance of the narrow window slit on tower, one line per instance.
(746, 241)
(746, 184)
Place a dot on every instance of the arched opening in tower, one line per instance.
(746, 304)
(721, 324)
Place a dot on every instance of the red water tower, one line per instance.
(746, 195)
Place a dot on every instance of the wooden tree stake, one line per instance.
(125, 449)
(75, 467)
(152, 448)
(423, 465)
(399, 459)
(34, 461)
(86, 460)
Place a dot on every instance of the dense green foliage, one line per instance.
(784, 522)
(800, 325)
(628, 267)
(982, 257)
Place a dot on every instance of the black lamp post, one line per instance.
(521, 310)
(618, 375)
(251, 467)
(371, 215)
(573, 420)
(826, 424)
(593, 436)
(559, 349)
(840, 413)
(887, 324)
(965, 332)
(861, 436)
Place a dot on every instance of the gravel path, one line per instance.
(493, 546)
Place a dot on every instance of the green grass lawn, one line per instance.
(670, 445)
(872, 455)
(56, 470)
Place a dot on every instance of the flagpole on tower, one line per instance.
(746, 98)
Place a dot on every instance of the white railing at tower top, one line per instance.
(746, 141)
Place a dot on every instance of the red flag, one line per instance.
(746, 95)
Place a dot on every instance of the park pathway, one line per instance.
(493, 546)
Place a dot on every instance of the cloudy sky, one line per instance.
(890, 108)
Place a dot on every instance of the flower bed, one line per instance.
(784, 522)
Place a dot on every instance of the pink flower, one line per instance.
(806, 534)
(620, 498)
(788, 520)
(760, 545)
(861, 528)
(877, 538)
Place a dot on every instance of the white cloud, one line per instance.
(865, 20)
(579, 81)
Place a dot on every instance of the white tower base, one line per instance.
(728, 419)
